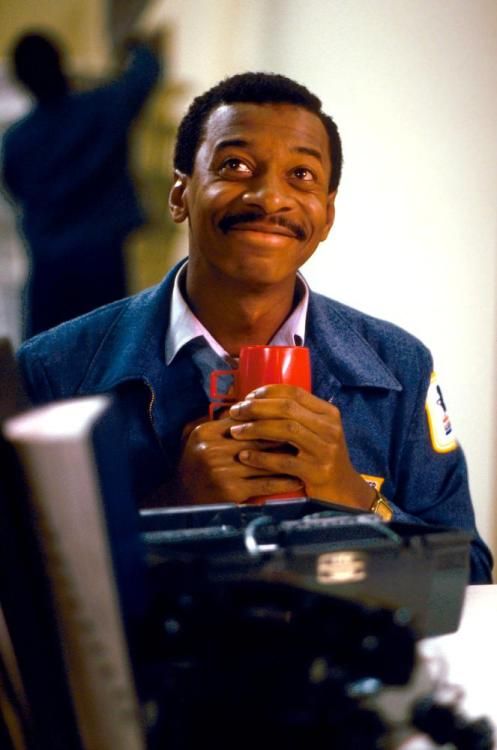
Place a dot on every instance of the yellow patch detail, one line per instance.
(375, 482)
(441, 432)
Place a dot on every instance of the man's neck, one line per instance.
(240, 317)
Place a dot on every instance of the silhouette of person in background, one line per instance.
(65, 167)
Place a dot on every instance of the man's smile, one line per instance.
(254, 222)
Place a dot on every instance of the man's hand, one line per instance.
(313, 427)
(209, 470)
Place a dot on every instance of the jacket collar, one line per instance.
(133, 347)
(339, 348)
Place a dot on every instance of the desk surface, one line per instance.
(470, 654)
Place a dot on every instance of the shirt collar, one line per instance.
(184, 326)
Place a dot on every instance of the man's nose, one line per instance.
(268, 193)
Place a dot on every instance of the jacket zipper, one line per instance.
(151, 418)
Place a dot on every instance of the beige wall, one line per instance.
(79, 24)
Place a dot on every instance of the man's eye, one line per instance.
(302, 173)
(235, 165)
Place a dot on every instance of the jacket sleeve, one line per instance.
(53, 363)
(35, 379)
(432, 485)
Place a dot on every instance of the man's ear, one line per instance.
(330, 215)
(178, 205)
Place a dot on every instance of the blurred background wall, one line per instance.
(411, 84)
(81, 24)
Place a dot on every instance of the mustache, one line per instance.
(227, 222)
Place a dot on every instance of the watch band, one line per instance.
(381, 507)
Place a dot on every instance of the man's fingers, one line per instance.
(287, 393)
(236, 482)
(318, 419)
(275, 463)
(309, 439)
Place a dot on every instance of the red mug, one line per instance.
(258, 366)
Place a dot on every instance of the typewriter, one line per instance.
(421, 572)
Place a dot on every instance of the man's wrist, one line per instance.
(381, 507)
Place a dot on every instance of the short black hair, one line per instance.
(251, 88)
(37, 62)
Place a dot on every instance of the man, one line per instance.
(65, 166)
(257, 166)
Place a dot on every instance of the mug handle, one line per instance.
(219, 399)
(213, 384)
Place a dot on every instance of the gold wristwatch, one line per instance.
(381, 507)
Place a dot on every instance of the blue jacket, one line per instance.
(374, 372)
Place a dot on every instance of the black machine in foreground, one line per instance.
(325, 548)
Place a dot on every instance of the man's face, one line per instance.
(257, 202)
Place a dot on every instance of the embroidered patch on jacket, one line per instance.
(375, 482)
(442, 435)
